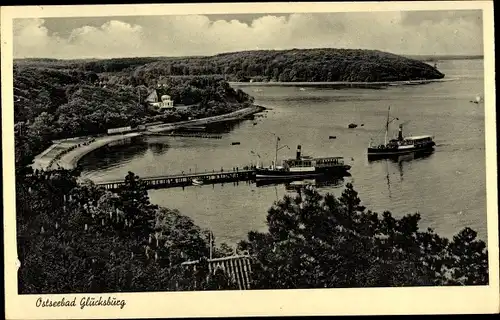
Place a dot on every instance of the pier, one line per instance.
(185, 179)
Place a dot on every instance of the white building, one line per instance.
(165, 103)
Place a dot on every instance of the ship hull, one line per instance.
(270, 174)
(390, 152)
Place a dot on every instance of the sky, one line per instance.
(411, 32)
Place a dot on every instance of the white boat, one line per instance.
(197, 182)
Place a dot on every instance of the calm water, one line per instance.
(448, 188)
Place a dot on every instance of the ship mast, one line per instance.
(387, 125)
(276, 153)
(278, 148)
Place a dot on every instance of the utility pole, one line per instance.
(210, 245)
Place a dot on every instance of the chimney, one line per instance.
(298, 152)
(400, 133)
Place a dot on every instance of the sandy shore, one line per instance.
(58, 155)
(70, 159)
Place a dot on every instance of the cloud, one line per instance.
(399, 32)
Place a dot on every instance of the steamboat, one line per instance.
(302, 167)
(400, 145)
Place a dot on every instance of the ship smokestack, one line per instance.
(298, 152)
(400, 133)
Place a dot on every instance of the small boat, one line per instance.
(303, 182)
(235, 143)
(400, 145)
(299, 184)
(302, 167)
(477, 100)
(332, 137)
(302, 89)
(352, 125)
(197, 182)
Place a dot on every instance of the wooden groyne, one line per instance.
(186, 179)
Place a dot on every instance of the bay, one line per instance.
(448, 188)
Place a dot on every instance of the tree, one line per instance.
(469, 259)
(71, 240)
(138, 211)
(310, 233)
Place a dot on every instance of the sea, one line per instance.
(447, 187)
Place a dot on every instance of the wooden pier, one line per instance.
(185, 179)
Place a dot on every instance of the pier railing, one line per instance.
(184, 179)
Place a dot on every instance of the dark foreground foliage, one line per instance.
(75, 237)
(317, 241)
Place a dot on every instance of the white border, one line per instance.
(436, 300)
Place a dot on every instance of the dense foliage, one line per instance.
(298, 65)
(63, 103)
(271, 65)
(267, 65)
(79, 238)
(317, 241)
(76, 237)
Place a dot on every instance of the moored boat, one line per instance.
(401, 144)
(197, 182)
(302, 167)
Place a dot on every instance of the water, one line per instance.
(448, 188)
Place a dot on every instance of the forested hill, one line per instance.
(56, 100)
(309, 65)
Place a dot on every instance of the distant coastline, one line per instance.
(444, 57)
(423, 57)
(337, 83)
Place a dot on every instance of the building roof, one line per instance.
(237, 268)
(152, 96)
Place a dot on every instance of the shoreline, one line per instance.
(338, 83)
(235, 115)
(81, 147)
